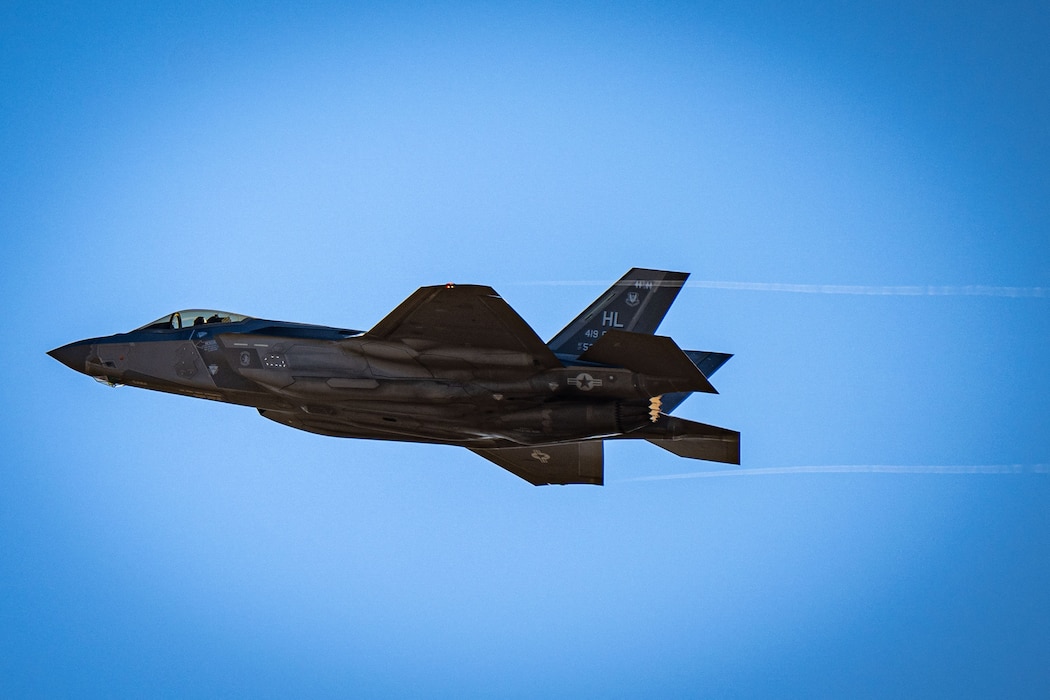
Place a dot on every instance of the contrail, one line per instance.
(878, 290)
(854, 289)
(857, 469)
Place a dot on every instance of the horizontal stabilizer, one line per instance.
(694, 440)
(654, 355)
(708, 362)
(570, 463)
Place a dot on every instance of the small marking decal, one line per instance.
(246, 358)
(275, 362)
(584, 381)
(633, 299)
(540, 456)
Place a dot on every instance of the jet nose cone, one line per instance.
(73, 355)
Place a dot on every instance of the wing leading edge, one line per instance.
(464, 316)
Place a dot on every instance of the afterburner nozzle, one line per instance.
(654, 408)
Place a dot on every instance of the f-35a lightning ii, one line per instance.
(453, 365)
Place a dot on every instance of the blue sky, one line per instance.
(319, 164)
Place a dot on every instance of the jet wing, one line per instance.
(465, 316)
(570, 463)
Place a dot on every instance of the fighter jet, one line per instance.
(454, 365)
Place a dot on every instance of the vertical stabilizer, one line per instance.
(637, 303)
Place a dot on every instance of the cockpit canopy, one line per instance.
(192, 317)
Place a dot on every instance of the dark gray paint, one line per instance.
(450, 365)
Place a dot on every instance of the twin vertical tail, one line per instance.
(619, 329)
(637, 303)
(613, 330)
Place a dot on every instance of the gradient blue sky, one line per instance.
(319, 163)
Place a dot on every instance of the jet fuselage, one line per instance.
(351, 386)
(451, 364)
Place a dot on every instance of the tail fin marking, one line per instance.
(636, 303)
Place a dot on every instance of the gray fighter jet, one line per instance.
(453, 365)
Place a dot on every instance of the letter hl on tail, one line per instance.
(453, 365)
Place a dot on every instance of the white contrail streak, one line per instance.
(878, 290)
(978, 290)
(857, 469)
